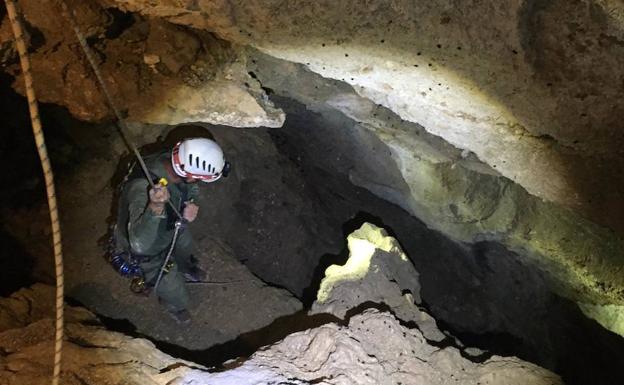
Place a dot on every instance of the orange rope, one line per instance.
(49, 180)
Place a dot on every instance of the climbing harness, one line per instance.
(125, 266)
(49, 180)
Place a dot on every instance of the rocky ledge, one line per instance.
(385, 338)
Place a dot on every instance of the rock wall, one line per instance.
(375, 349)
(157, 72)
(532, 97)
(370, 347)
(377, 271)
(92, 355)
(450, 189)
(516, 94)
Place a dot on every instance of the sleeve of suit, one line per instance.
(143, 224)
(193, 192)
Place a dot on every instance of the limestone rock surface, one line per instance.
(451, 190)
(533, 98)
(92, 355)
(528, 109)
(378, 272)
(373, 349)
(157, 72)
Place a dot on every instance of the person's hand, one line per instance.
(190, 211)
(158, 196)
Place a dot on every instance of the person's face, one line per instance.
(190, 180)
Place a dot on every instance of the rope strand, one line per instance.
(49, 182)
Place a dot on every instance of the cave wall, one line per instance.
(449, 189)
(531, 96)
(503, 121)
(157, 72)
(328, 353)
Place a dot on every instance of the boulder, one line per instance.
(377, 272)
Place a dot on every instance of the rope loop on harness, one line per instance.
(179, 225)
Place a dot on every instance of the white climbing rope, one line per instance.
(49, 181)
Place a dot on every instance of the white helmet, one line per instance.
(199, 158)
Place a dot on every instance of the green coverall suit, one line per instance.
(149, 236)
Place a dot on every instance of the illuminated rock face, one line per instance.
(373, 349)
(371, 252)
(378, 272)
(451, 190)
(529, 96)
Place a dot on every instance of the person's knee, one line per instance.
(173, 291)
(184, 247)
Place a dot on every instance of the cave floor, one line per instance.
(231, 302)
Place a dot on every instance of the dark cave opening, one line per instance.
(16, 265)
(487, 296)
